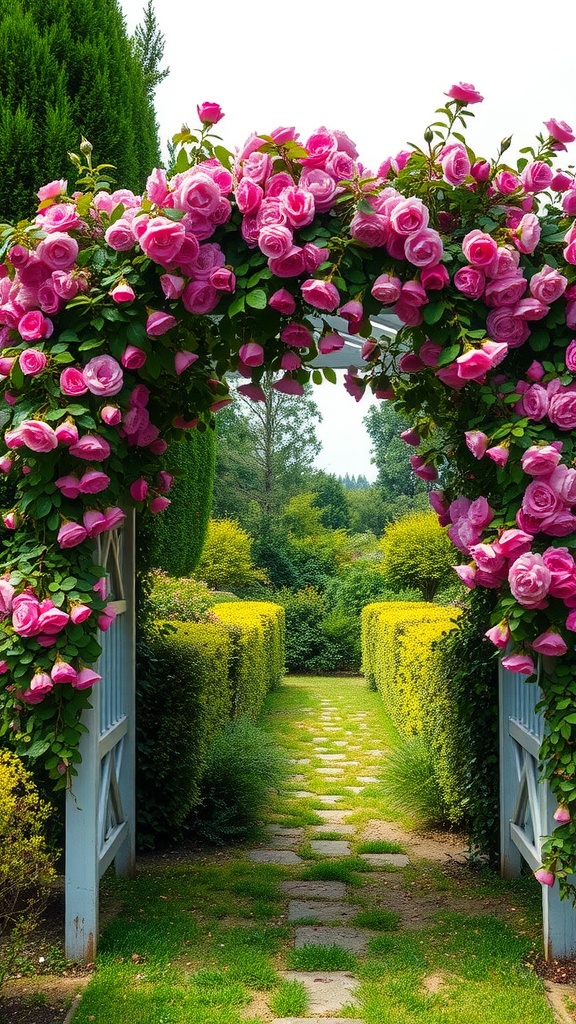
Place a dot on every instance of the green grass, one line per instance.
(289, 1000)
(321, 958)
(333, 871)
(377, 920)
(380, 846)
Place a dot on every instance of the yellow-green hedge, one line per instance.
(258, 635)
(400, 659)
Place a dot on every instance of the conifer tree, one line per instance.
(68, 69)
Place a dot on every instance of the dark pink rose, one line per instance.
(549, 643)
(72, 382)
(251, 354)
(296, 335)
(293, 264)
(479, 248)
(210, 113)
(540, 460)
(371, 229)
(139, 489)
(32, 361)
(433, 278)
(159, 323)
(110, 415)
(162, 240)
(92, 448)
(559, 130)
(37, 435)
(93, 481)
(520, 663)
(200, 297)
(132, 358)
(537, 176)
(387, 289)
(320, 294)
(34, 325)
(40, 687)
(158, 504)
(71, 534)
(548, 285)
(463, 92)
(470, 281)
(67, 432)
(505, 290)
(69, 486)
(182, 360)
(424, 248)
(503, 325)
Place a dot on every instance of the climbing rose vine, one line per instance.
(122, 315)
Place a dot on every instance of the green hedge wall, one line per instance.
(401, 658)
(258, 631)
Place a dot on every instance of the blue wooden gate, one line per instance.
(527, 806)
(100, 809)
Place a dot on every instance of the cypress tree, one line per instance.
(68, 68)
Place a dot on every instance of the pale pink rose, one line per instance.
(103, 376)
(559, 130)
(67, 432)
(513, 542)
(120, 236)
(499, 454)
(537, 176)
(249, 196)
(548, 285)
(86, 678)
(282, 301)
(477, 442)
(520, 663)
(93, 481)
(71, 534)
(159, 323)
(72, 382)
(503, 325)
(59, 217)
(58, 251)
(505, 290)
(34, 325)
(258, 167)
(182, 360)
(92, 448)
(540, 460)
(562, 408)
(67, 285)
(51, 620)
(162, 240)
(25, 614)
(371, 229)
(322, 185)
(466, 574)
(549, 643)
(409, 216)
(563, 481)
(196, 192)
(527, 234)
(132, 358)
(529, 580)
(6, 597)
(499, 634)
(470, 281)
(32, 362)
(275, 240)
(479, 248)
(562, 569)
(159, 504)
(40, 687)
(63, 672)
(463, 92)
(320, 294)
(424, 248)
(53, 189)
(37, 435)
(172, 285)
(387, 289)
(455, 163)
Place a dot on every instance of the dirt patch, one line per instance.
(433, 983)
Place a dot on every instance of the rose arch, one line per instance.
(121, 317)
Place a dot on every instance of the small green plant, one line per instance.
(182, 599)
(380, 846)
(26, 864)
(409, 784)
(243, 766)
(321, 958)
(290, 1000)
(333, 871)
(377, 920)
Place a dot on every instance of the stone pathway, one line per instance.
(323, 912)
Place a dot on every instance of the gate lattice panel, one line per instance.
(527, 806)
(100, 811)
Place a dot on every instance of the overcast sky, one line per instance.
(374, 71)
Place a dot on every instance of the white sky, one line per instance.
(374, 70)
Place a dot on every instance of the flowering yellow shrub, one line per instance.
(258, 665)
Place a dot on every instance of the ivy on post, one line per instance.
(121, 315)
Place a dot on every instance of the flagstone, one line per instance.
(314, 890)
(331, 757)
(329, 798)
(379, 860)
(353, 939)
(345, 830)
(329, 771)
(303, 793)
(320, 911)
(355, 789)
(274, 857)
(327, 990)
(334, 817)
(331, 847)
(367, 778)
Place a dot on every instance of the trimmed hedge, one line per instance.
(258, 628)
(402, 660)
(193, 678)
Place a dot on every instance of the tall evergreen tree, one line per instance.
(148, 45)
(68, 69)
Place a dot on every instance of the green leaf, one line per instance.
(257, 299)
(237, 306)
(448, 355)
(433, 312)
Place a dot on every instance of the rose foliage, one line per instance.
(121, 315)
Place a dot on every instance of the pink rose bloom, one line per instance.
(54, 189)
(196, 192)
(549, 643)
(499, 634)
(114, 516)
(562, 569)
(548, 285)
(520, 663)
(257, 167)
(251, 354)
(562, 407)
(540, 460)
(331, 342)
(537, 176)
(570, 356)
(540, 500)
(132, 358)
(6, 597)
(159, 323)
(34, 325)
(535, 371)
(158, 504)
(223, 279)
(93, 481)
(86, 677)
(434, 277)
(37, 435)
(530, 309)
(463, 92)
(499, 454)
(298, 206)
(103, 376)
(182, 360)
(289, 386)
(94, 522)
(52, 620)
(506, 182)
(71, 534)
(210, 113)
(563, 481)
(275, 240)
(529, 580)
(252, 391)
(410, 363)
(470, 281)
(249, 196)
(466, 574)
(503, 325)
(157, 188)
(110, 415)
(562, 815)
(477, 442)
(92, 448)
(421, 469)
(505, 290)
(371, 229)
(480, 170)
(58, 251)
(62, 672)
(479, 248)
(296, 335)
(172, 285)
(513, 542)
(120, 236)
(162, 240)
(122, 292)
(290, 361)
(424, 248)
(320, 294)
(321, 185)
(25, 614)
(67, 432)
(72, 382)
(455, 163)
(430, 353)
(32, 361)
(69, 486)
(409, 216)
(487, 557)
(282, 301)
(527, 235)
(139, 489)
(474, 364)
(40, 687)
(293, 264)
(534, 403)
(559, 130)
(387, 289)
(200, 297)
